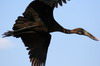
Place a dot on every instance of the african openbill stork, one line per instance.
(35, 26)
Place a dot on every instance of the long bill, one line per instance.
(80, 31)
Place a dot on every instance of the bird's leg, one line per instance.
(80, 31)
(17, 32)
(29, 29)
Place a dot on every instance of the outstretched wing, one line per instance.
(54, 2)
(37, 44)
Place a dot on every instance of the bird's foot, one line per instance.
(7, 34)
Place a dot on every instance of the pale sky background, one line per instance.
(64, 49)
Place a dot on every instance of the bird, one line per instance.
(34, 28)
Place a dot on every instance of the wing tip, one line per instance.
(54, 2)
(36, 62)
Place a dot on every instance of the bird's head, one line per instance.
(81, 31)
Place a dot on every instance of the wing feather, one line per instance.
(54, 2)
(37, 44)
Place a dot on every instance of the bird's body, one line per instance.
(35, 26)
(37, 14)
(44, 13)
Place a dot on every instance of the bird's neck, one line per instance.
(67, 31)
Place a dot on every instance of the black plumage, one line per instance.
(35, 26)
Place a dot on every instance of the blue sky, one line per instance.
(65, 49)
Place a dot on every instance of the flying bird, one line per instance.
(35, 26)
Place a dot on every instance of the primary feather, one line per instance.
(37, 44)
(54, 2)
